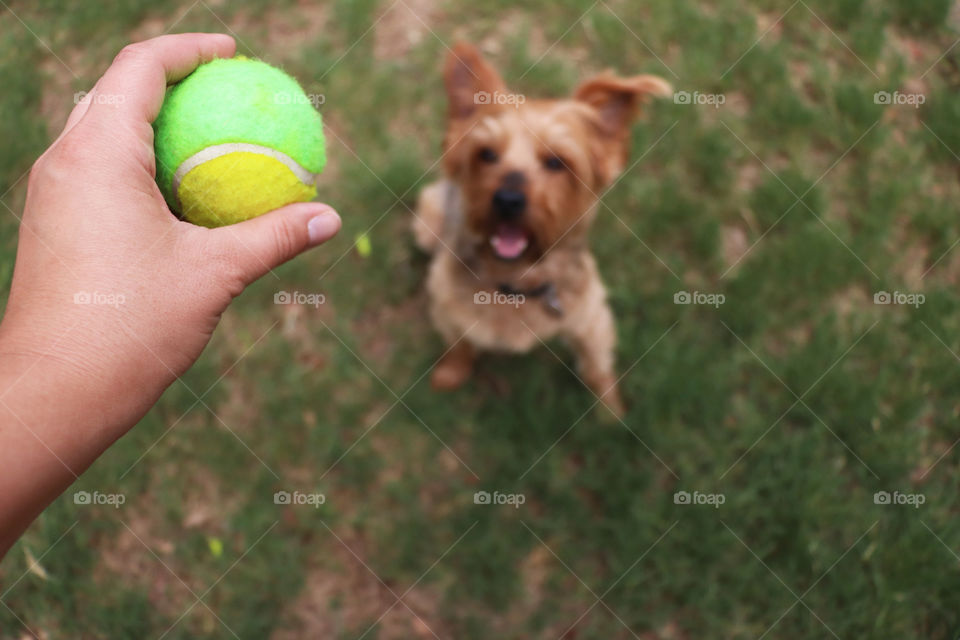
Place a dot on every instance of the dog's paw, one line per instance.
(448, 378)
(612, 407)
(453, 370)
(610, 403)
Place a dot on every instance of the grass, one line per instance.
(797, 399)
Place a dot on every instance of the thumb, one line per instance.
(267, 241)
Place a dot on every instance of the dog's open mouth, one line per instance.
(509, 241)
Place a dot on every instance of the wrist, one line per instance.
(54, 380)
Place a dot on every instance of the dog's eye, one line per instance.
(488, 155)
(555, 163)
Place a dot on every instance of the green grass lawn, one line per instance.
(794, 402)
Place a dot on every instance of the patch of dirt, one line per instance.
(947, 270)
(850, 301)
(343, 595)
(407, 459)
(289, 32)
(783, 342)
(918, 53)
(158, 25)
(912, 262)
(299, 325)
(953, 20)
(669, 631)
(374, 342)
(403, 26)
(127, 559)
(912, 258)
(286, 31)
(770, 26)
(845, 304)
(205, 505)
(535, 570)
(137, 553)
(749, 177)
(736, 103)
(933, 456)
(241, 407)
(735, 244)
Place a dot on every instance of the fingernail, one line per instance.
(323, 227)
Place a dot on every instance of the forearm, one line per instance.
(53, 425)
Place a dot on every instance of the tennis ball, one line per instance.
(235, 139)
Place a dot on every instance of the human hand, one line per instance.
(112, 297)
(149, 288)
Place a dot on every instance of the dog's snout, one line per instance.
(510, 200)
(509, 203)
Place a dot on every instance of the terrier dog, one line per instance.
(507, 225)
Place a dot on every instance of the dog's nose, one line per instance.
(509, 204)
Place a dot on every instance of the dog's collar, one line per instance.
(547, 291)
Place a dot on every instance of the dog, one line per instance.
(507, 225)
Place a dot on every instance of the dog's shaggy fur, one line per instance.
(508, 224)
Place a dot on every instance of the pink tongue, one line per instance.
(509, 241)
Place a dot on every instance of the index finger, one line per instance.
(132, 89)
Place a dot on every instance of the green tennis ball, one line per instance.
(235, 139)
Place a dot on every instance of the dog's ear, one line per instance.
(617, 103)
(470, 80)
(618, 100)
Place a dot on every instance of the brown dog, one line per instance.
(507, 226)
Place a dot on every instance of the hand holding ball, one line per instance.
(235, 139)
